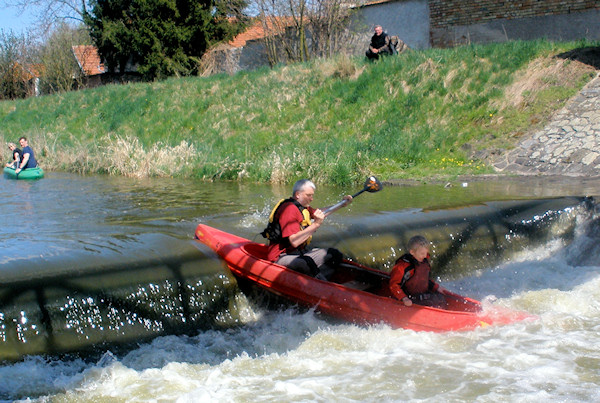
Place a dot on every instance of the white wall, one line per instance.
(407, 19)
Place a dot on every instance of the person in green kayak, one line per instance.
(409, 278)
(16, 154)
(292, 224)
(28, 160)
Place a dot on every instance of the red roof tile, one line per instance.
(89, 60)
(29, 71)
(275, 25)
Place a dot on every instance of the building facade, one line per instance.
(456, 22)
(447, 23)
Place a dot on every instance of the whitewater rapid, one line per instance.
(287, 356)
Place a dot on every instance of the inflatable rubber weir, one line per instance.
(95, 306)
(128, 289)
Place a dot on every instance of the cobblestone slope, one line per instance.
(568, 145)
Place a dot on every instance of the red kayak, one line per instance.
(353, 292)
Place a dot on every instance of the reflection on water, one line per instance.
(63, 212)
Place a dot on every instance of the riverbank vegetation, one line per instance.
(435, 112)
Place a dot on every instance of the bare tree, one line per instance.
(298, 30)
(284, 24)
(328, 25)
(16, 73)
(60, 69)
(50, 13)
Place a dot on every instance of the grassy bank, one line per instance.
(421, 114)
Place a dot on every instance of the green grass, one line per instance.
(334, 121)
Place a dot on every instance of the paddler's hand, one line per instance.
(318, 217)
(406, 301)
(17, 170)
(348, 199)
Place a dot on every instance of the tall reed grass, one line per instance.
(418, 114)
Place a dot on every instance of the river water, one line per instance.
(69, 232)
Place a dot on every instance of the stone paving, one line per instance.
(569, 145)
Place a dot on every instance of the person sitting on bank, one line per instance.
(409, 278)
(28, 160)
(291, 226)
(379, 44)
(17, 156)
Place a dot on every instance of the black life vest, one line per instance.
(273, 230)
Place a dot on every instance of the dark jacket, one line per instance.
(378, 42)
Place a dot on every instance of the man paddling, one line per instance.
(292, 224)
(28, 160)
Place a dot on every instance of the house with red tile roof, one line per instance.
(260, 30)
(95, 72)
(246, 51)
(90, 64)
(29, 75)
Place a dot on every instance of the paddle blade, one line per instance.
(373, 185)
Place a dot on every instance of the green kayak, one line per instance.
(30, 173)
